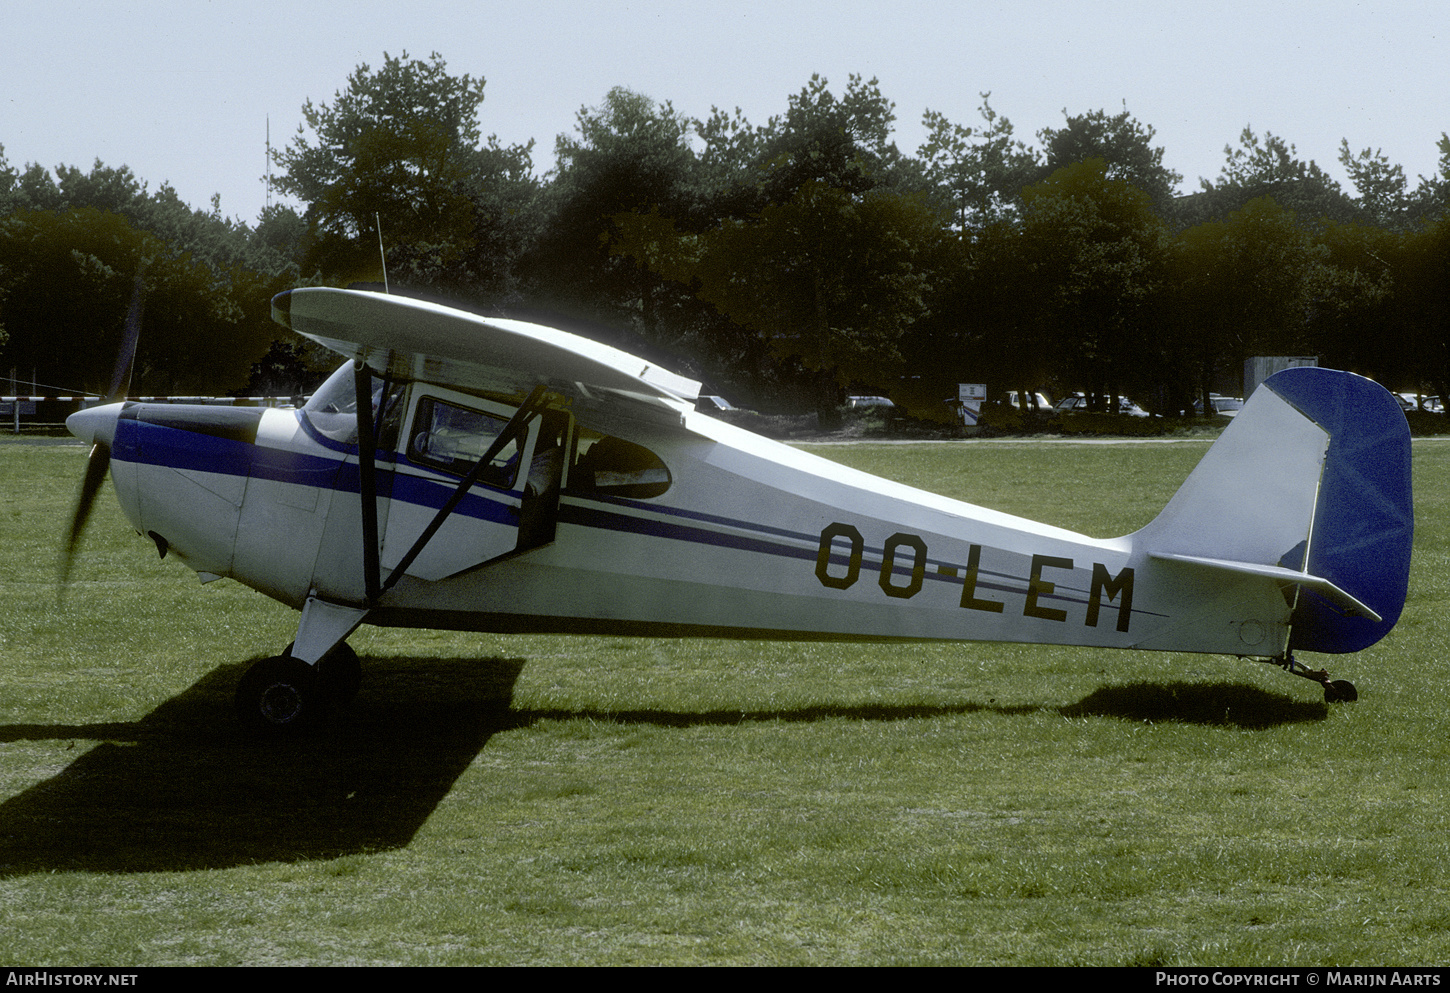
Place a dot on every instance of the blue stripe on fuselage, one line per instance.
(146, 443)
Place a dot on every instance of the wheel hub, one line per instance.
(280, 703)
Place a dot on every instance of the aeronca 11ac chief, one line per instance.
(483, 474)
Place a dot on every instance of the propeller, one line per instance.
(99, 461)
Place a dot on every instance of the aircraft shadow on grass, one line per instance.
(1231, 704)
(184, 789)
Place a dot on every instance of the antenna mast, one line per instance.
(377, 218)
(269, 163)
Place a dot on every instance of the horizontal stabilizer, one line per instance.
(1349, 604)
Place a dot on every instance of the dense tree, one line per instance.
(73, 244)
(1244, 286)
(1269, 166)
(401, 147)
(1420, 312)
(67, 279)
(1120, 141)
(9, 181)
(204, 235)
(1384, 313)
(987, 323)
(981, 171)
(843, 142)
(1095, 250)
(1383, 193)
(786, 259)
(627, 154)
(278, 238)
(807, 234)
(830, 278)
(1431, 199)
(394, 142)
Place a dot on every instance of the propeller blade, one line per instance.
(96, 466)
(126, 359)
(99, 461)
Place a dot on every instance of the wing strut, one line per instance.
(367, 478)
(514, 428)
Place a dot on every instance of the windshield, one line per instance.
(332, 410)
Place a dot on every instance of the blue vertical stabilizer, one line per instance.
(1364, 517)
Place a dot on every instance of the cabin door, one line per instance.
(511, 507)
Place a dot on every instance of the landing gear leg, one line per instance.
(1335, 690)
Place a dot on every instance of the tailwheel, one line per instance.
(280, 695)
(1335, 690)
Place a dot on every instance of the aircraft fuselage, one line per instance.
(711, 531)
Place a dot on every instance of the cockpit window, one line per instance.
(332, 410)
(615, 467)
(452, 439)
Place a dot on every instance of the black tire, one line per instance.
(279, 696)
(339, 674)
(1340, 691)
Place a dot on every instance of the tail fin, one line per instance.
(1318, 461)
(1365, 519)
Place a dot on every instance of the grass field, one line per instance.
(556, 801)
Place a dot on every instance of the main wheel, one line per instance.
(279, 695)
(1340, 691)
(339, 673)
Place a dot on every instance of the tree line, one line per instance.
(783, 262)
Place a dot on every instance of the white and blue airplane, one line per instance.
(481, 474)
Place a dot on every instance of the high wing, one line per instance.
(416, 340)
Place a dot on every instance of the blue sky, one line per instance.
(181, 91)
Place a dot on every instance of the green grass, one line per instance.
(513, 800)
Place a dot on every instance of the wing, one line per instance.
(414, 339)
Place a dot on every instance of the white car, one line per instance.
(1221, 405)
(1043, 404)
(1411, 401)
(714, 405)
(1078, 404)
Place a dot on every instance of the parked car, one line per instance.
(1411, 401)
(1221, 405)
(1078, 404)
(714, 405)
(869, 402)
(1043, 404)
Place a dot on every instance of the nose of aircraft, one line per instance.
(97, 424)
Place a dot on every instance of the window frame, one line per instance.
(505, 472)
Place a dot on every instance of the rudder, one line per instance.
(1364, 515)
(1317, 460)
